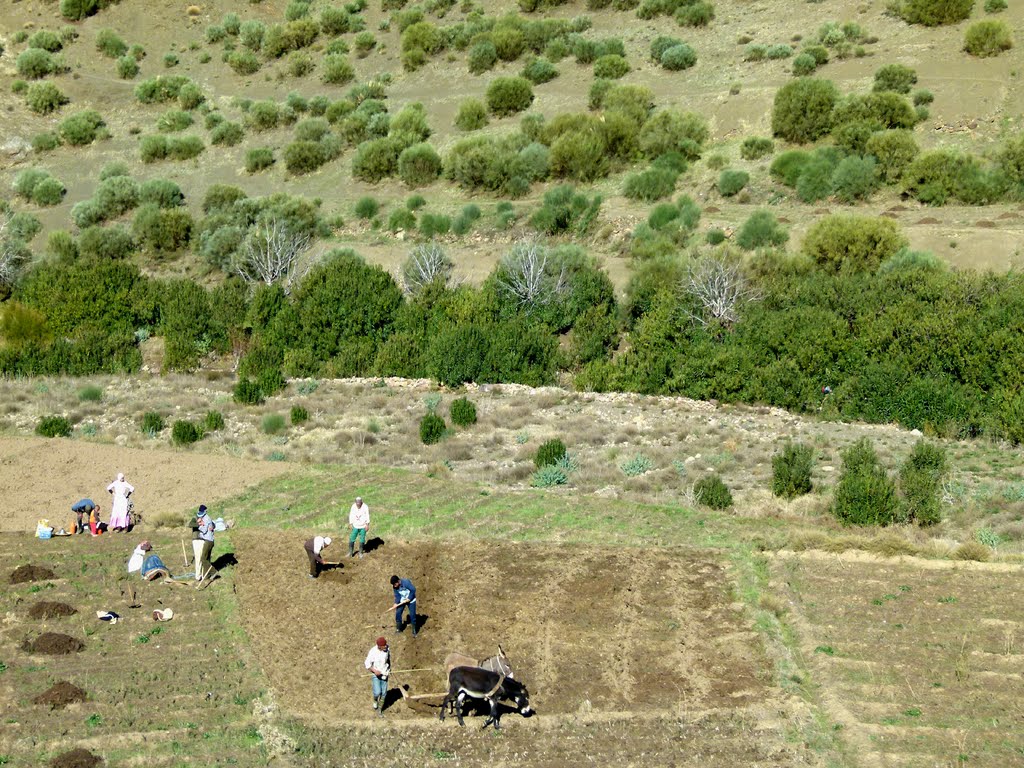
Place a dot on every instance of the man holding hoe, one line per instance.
(359, 519)
(405, 597)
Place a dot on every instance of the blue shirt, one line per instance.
(85, 505)
(206, 528)
(405, 591)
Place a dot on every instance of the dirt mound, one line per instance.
(54, 644)
(60, 695)
(26, 573)
(77, 758)
(985, 224)
(48, 610)
(928, 220)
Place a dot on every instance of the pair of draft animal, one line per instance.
(490, 680)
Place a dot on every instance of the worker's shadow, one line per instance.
(225, 560)
(373, 544)
(393, 695)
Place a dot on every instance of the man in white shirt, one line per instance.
(378, 661)
(314, 550)
(359, 519)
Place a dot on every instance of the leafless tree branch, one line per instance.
(425, 264)
(721, 291)
(525, 275)
(273, 253)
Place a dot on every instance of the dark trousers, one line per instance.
(206, 567)
(314, 564)
(412, 616)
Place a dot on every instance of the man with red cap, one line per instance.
(378, 661)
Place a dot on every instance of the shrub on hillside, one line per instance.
(933, 13)
(243, 62)
(106, 242)
(432, 428)
(247, 392)
(35, 63)
(802, 110)
(678, 58)
(44, 98)
(482, 57)
(472, 115)
(652, 184)
(711, 492)
(419, 165)
(893, 150)
(920, 482)
(173, 120)
(48, 192)
(227, 134)
(894, 77)
(160, 89)
(258, 159)
(756, 147)
(45, 39)
(110, 44)
(669, 131)
(53, 426)
(988, 38)
(804, 64)
(26, 181)
(611, 67)
(842, 243)
(376, 159)
(184, 432)
(694, 14)
(865, 494)
(463, 412)
(550, 452)
(540, 70)
(337, 69)
(761, 230)
(127, 67)
(731, 182)
(81, 128)
(303, 156)
(152, 423)
(791, 470)
(508, 95)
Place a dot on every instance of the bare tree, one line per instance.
(273, 253)
(524, 274)
(720, 289)
(11, 256)
(425, 264)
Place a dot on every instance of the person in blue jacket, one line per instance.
(82, 509)
(405, 597)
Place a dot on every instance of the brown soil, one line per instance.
(48, 610)
(77, 758)
(54, 644)
(26, 573)
(60, 695)
(604, 630)
(928, 220)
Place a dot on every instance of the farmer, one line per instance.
(378, 661)
(359, 519)
(405, 596)
(120, 490)
(83, 510)
(206, 528)
(139, 556)
(197, 548)
(314, 549)
(149, 565)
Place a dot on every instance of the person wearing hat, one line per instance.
(83, 509)
(206, 529)
(314, 550)
(405, 597)
(378, 661)
(359, 519)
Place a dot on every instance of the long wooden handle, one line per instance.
(183, 552)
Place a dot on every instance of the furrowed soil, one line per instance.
(919, 661)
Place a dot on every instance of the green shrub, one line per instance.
(791, 470)
(549, 476)
(652, 184)
(81, 128)
(755, 147)
(539, 71)
(920, 483)
(106, 243)
(669, 131)
(432, 428)
(761, 230)
(894, 151)
(988, 38)
(419, 165)
(804, 64)
(173, 120)
(898, 78)
(933, 13)
(711, 492)
(45, 142)
(247, 392)
(696, 14)
(45, 39)
(401, 219)
(76, 10)
(463, 412)
(778, 51)
(304, 156)
(153, 148)
(244, 62)
(995, 6)
(35, 63)
(44, 98)
(171, 60)
(90, 394)
(845, 243)
(366, 208)
(802, 110)
(636, 466)
(185, 432)
(865, 494)
(152, 423)
(48, 192)
(855, 178)
(482, 57)
(213, 421)
(611, 67)
(127, 67)
(661, 44)
(376, 159)
(730, 182)
(272, 423)
(508, 95)
(678, 58)
(337, 69)
(26, 181)
(117, 195)
(364, 43)
(550, 452)
(434, 224)
(53, 426)
(160, 89)
(184, 147)
(299, 415)
(472, 115)
(227, 135)
(258, 159)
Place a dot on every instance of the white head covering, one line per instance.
(120, 477)
(327, 541)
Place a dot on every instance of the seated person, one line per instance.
(149, 565)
